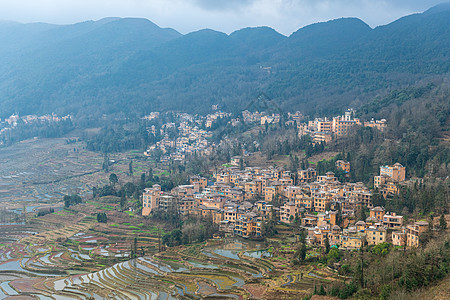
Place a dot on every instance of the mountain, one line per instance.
(131, 66)
(324, 39)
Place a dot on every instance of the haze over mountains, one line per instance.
(132, 66)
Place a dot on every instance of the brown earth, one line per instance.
(26, 285)
(256, 290)
(258, 159)
(317, 297)
(322, 156)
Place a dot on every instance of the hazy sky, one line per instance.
(286, 16)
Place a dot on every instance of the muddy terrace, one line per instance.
(69, 255)
(43, 170)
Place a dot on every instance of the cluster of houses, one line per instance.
(379, 227)
(389, 180)
(14, 120)
(184, 136)
(212, 118)
(325, 130)
(241, 201)
(189, 140)
(263, 118)
(320, 129)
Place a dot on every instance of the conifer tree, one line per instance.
(442, 223)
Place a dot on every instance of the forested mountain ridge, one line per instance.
(132, 66)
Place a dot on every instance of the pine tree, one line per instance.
(130, 167)
(113, 179)
(143, 180)
(362, 214)
(442, 223)
(327, 244)
(322, 291)
(302, 253)
(123, 202)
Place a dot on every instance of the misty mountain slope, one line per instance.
(421, 37)
(52, 61)
(326, 39)
(133, 66)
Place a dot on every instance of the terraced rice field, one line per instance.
(71, 256)
(224, 269)
(44, 170)
(63, 244)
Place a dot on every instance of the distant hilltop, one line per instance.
(131, 66)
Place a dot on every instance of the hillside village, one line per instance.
(188, 135)
(281, 161)
(242, 202)
(7, 125)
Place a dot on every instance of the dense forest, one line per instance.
(128, 67)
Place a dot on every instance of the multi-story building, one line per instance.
(288, 212)
(264, 209)
(324, 125)
(377, 212)
(150, 199)
(230, 215)
(307, 175)
(215, 214)
(309, 220)
(378, 124)
(397, 172)
(184, 190)
(187, 206)
(253, 188)
(375, 236)
(320, 202)
(388, 180)
(414, 231)
(248, 225)
(399, 238)
(213, 201)
(168, 203)
(341, 125)
(304, 201)
(222, 177)
(351, 241)
(343, 165)
(362, 198)
(271, 191)
(322, 137)
(392, 221)
(201, 181)
(328, 177)
(235, 194)
(291, 192)
(360, 226)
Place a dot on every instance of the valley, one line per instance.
(141, 163)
